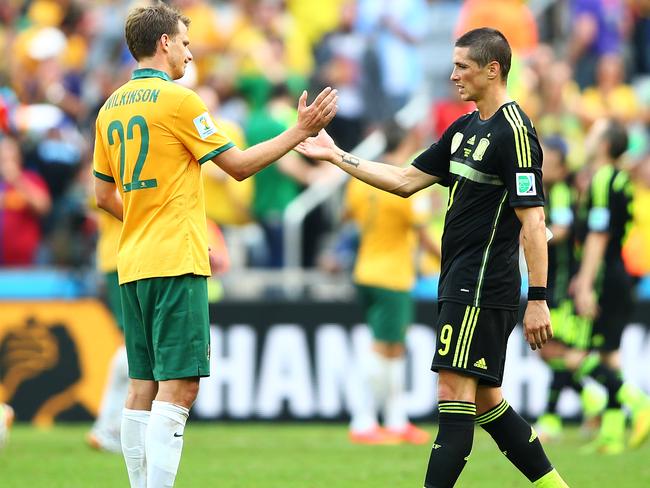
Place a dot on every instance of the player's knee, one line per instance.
(454, 386)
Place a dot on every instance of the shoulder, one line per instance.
(510, 116)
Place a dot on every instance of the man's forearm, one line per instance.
(261, 155)
(383, 176)
(535, 252)
(594, 252)
(113, 206)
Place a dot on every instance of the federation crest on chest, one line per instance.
(481, 147)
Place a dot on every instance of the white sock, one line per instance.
(373, 390)
(134, 428)
(395, 409)
(164, 443)
(109, 418)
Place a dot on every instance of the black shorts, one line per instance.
(473, 341)
(616, 305)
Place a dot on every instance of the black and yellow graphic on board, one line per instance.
(54, 358)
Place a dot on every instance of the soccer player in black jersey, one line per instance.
(492, 163)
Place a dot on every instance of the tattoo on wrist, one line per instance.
(350, 159)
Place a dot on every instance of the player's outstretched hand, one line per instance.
(537, 324)
(321, 147)
(313, 117)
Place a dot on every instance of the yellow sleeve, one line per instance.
(197, 130)
(101, 166)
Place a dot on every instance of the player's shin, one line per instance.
(132, 436)
(517, 440)
(164, 443)
(453, 444)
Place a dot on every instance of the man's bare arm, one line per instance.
(537, 318)
(108, 198)
(394, 179)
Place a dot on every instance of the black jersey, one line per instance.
(560, 211)
(490, 166)
(609, 209)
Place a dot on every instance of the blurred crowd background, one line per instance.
(575, 62)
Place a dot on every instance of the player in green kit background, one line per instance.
(152, 135)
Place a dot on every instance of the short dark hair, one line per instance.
(617, 139)
(145, 25)
(487, 45)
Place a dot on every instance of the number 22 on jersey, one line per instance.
(116, 126)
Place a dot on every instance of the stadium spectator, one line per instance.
(597, 27)
(479, 288)
(559, 98)
(163, 257)
(24, 201)
(610, 96)
(339, 63)
(512, 17)
(394, 32)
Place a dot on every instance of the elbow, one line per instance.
(404, 191)
(240, 174)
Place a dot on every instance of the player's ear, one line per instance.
(494, 68)
(164, 42)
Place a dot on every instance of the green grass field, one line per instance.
(292, 456)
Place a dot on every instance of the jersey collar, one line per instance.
(150, 73)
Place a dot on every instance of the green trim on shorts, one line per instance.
(387, 312)
(167, 327)
(112, 284)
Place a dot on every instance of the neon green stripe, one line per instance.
(463, 348)
(560, 196)
(481, 273)
(464, 412)
(524, 135)
(493, 414)
(600, 186)
(445, 408)
(460, 334)
(462, 169)
(451, 195)
(458, 404)
(520, 161)
(471, 334)
(463, 337)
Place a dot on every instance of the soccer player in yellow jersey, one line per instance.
(390, 229)
(105, 432)
(152, 136)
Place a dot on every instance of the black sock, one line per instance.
(603, 374)
(561, 379)
(453, 444)
(516, 439)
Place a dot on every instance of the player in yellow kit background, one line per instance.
(105, 432)
(151, 138)
(390, 229)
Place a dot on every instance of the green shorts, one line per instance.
(166, 327)
(569, 328)
(112, 284)
(387, 312)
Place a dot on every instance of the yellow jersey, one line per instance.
(108, 237)
(387, 235)
(151, 137)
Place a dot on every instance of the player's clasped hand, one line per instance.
(312, 118)
(537, 324)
